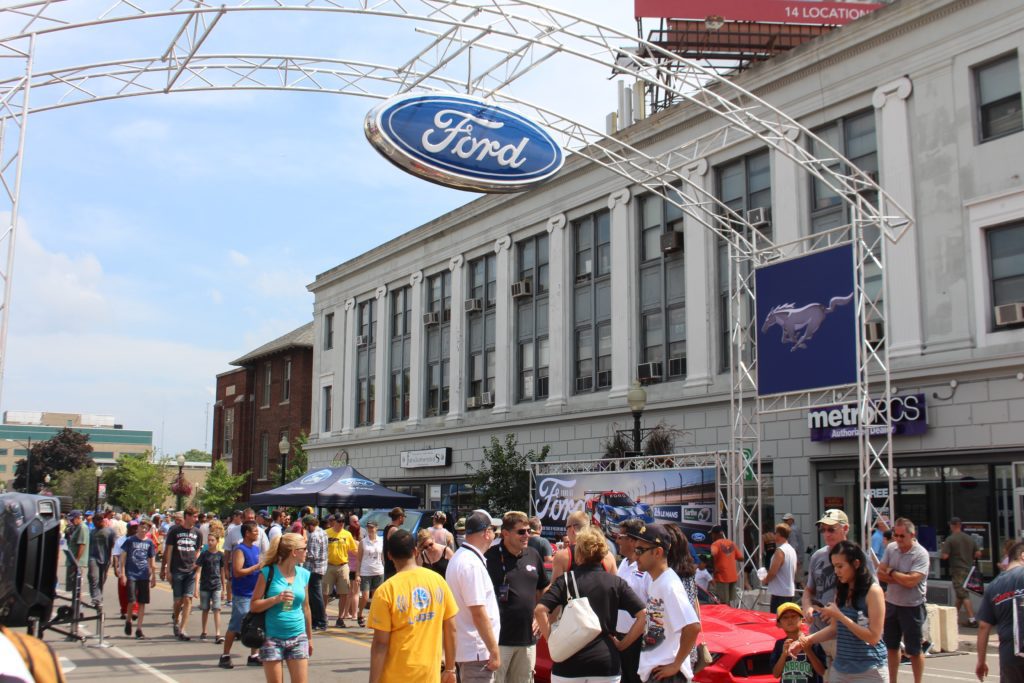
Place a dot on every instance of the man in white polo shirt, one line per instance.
(477, 623)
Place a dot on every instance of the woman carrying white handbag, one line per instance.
(583, 645)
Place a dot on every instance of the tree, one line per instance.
(502, 482)
(298, 460)
(67, 451)
(196, 455)
(79, 486)
(221, 490)
(136, 483)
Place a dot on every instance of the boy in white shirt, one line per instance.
(672, 625)
(703, 576)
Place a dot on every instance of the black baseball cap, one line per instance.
(477, 522)
(655, 534)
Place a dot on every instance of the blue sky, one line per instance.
(163, 236)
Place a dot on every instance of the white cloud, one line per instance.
(238, 258)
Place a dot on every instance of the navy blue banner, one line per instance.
(806, 323)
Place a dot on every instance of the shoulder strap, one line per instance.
(573, 587)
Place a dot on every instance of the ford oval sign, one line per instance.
(463, 142)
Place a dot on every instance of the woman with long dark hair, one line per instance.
(856, 620)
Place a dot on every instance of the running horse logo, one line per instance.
(805, 320)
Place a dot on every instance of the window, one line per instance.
(264, 455)
(531, 307)
(439, 293)
(592, 312)
(328, 331)
(286, 386)
(662, 312)
(229, 432)
(742, 185)
(997, 89)
(1006, 264)
(366, 352)
(483, 288)
(325, 409)
(401, 351)
(266, 384)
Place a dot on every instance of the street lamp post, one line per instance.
(181, 475)
(99, 473)
(636, 397)
(283, 447)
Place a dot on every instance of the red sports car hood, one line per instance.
(729, 629)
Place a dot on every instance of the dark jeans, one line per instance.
(630, 661)
(97, 579)
(317, 609)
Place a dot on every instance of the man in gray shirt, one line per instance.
(904, 567)
(821, 576)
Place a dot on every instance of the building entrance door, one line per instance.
(1018, 496)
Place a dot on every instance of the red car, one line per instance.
(741, 643)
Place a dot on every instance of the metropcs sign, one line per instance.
(463, 142)
(908, 416)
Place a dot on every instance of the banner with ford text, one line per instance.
(686, 497)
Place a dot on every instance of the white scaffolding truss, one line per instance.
(481, 48)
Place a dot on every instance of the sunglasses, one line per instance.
(522, 532)
(640, 550)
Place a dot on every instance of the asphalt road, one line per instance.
(339, 655)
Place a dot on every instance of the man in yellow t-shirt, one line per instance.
(413, 620)
(339, 544)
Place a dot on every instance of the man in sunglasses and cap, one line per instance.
(821, 576)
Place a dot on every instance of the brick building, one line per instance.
(266, 398)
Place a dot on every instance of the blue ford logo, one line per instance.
(463, 142)
(355, 481)
(315, 477)
(698, 537)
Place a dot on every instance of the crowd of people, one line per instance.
(472, 605)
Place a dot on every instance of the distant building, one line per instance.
(21, 429)
(269, 396)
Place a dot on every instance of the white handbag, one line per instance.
(578, 626)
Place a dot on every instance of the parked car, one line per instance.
(414, 519)
(741, 643)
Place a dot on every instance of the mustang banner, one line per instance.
(686, 497)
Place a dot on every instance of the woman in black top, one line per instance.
(431, 555)
(607, 594)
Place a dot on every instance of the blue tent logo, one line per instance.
(315, 477)
(355, 482)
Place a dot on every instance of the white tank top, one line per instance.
(783, 583)
(372, 563)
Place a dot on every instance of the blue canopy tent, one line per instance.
(342, 487)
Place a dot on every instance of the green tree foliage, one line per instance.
(136, 483)
(221, 491)
(298, 460)
(196, 455)
(79, 486)
(67, 451)
(502, 481)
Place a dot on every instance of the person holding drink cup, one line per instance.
(281, 592)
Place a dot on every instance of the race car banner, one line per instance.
(686, 497)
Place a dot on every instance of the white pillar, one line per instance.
(382, 390)
(699, 259)
(903, 326)
(787, 208)
(503, 340)
(623, 318)
(457, 346)
(342, 392)
(416, 364)
(559, 325)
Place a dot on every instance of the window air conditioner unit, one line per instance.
(1010, 314)
(362, 340)
(649, 372)
(431, 318)
(472, 403)
(874, 332)
(604, 379)
(487, 398)
(522, 288)
(677, 366)
(671, 242)
(473, 305)
(584, 383)
(585, 271)
(759, 216)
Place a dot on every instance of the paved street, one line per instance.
(339, 656)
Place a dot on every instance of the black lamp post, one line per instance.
(99, 473)
(283, 447)
(181, 476)
(637, 399)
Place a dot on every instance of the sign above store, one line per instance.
(430, 457)
(832, 13)
(909, 417)
(463, 142)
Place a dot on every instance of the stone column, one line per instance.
(699, 257)
(382, 388)
(903, 326)
(457, 346)
(416, 364)
(559, 289)
(503, 340)
(342, 393)
(787, 207)
(623, 296)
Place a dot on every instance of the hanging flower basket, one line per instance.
(181, 487)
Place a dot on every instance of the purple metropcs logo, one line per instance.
(463, 142)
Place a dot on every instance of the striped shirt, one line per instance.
(853, 655)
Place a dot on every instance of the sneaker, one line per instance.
(177, 631)
(225, 662)
(138, 634)
(219, 640)
(227, 603)
(361, 622)
(340, 623)
(128, 627)
(202, 637)
(182, 636)
(253, 660)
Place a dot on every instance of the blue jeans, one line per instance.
(317, 608)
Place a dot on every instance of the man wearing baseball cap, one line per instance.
(807, 666)
(821, 577)
(478, 623)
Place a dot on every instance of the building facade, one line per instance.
(266, 399)
(533, 313)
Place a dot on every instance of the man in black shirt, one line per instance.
(519, 579)
(181, 548)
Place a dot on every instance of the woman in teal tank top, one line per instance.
(857, 617)
(281, 593)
